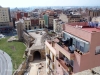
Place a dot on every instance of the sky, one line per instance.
(29, 3)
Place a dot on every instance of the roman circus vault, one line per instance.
(35, 44)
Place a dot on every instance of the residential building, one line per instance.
(41, 22)
(63, 17)
(27, 24)
(74, 18)
(45, 17)
(5, 15)
(50, 25)
(77, 50)
(5, 20)
(57, 25)
(94, 13)
(19, 15)
(35, 22)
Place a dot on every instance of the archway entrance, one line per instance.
(36, 55)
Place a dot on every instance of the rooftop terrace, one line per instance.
(85, 26)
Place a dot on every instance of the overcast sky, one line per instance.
(28, 3)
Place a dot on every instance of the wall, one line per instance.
(51, 21)
(27, 23)
(35, 22)
(45, 17)
(42, 22)
(21, 69)
(89, 60)
(63, 17)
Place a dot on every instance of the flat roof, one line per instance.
(85, 27)
(92, 29)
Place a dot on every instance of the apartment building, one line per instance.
(5, 20)
(41, 22)
(57, 25)
(4, 15)
(19, 15)
(63, 17)
(74, 18)
(45, 17)
(50, 21)
(27, 24)
(35, 22)
(94, 13)
(77, 50)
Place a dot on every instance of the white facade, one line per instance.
(54, 24)
(4, 15)
(57, 25)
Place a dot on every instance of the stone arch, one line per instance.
(36, 55)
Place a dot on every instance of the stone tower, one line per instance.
(20, 28)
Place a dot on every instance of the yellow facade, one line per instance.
(41, 21)
(4, 15)
(27, 22)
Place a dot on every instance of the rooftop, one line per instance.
(85, 26)
(92, 29)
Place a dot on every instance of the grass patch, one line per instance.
(15, 51)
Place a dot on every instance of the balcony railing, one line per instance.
(64, 50)
(51, 69)
(66, 66)
(48, 56)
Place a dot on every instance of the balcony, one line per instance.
(51, 69)
(51, 61)
(66, 66)
(64, 50)
(48, 56)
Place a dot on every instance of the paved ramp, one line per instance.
(34, 67)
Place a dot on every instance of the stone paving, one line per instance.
(38, 67)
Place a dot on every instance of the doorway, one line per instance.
(37, 55)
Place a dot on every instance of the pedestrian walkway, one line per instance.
(35, 67)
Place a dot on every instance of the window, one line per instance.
(43, 22)
(77, 44)
(59, 65)
(71, 62)
(81, 48)
(97, 50)
(53, 58)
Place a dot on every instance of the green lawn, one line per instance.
(15, 50)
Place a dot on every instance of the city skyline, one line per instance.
(30, 3)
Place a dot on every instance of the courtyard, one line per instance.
(15, 50)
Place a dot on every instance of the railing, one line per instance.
(51, 69)
(65, 66)
(64, 50)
